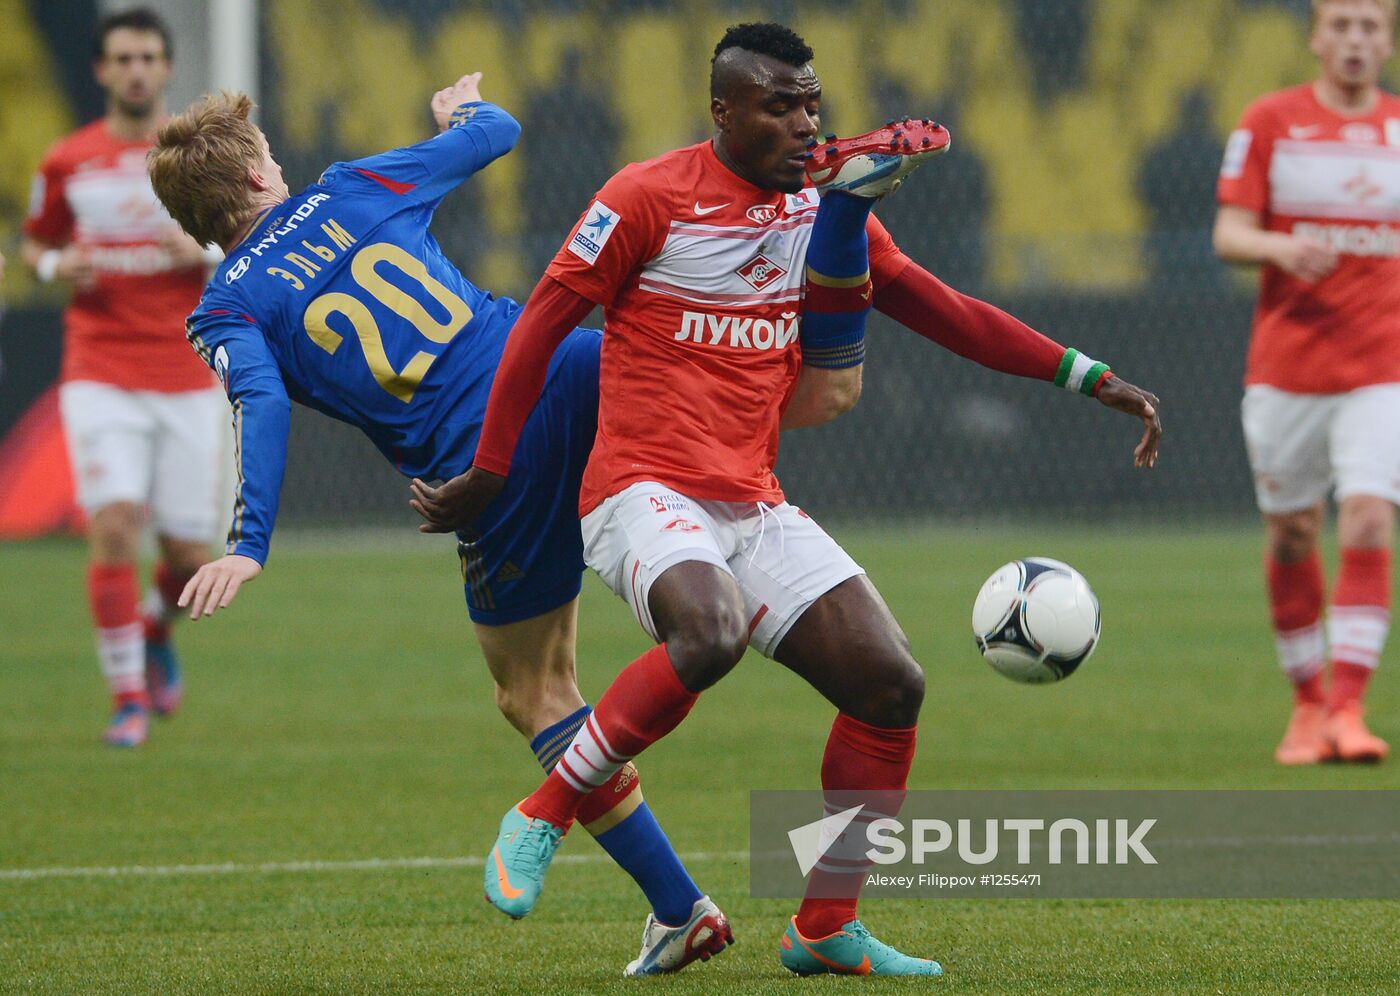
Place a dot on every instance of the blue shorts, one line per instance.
(528, 558)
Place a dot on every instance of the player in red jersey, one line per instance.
(1310, 191)
(143, 417)
(695, 257)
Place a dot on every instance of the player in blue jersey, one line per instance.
(351, 258)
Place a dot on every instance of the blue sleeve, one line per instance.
(480, 133)
(262, 411)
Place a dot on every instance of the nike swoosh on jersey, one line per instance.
(1303, 131)
(706, 210)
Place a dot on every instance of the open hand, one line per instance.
(1121, 396)
(456, 504)
(214, 585)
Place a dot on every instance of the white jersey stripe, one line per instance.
(787, 295)
(747, 234)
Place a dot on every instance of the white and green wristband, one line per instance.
(1078, 372)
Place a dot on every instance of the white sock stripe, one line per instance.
(154, 604)
(589, 763)
(1301, 652)
(864, 818)
(1366, 630)
(121, 654)
(1359, 612)
(578, 756)
(597, 732)
(1357, 655)
(832, 867)
(127, 631)
(119, 684)
(567, 773)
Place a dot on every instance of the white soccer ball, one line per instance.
(1036, 620)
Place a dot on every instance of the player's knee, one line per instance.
(893, 700)
(115, 533)
(1293, 537)
(708, 645)
(1366, 521)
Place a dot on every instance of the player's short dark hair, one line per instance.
(763, 38)
(136, 19)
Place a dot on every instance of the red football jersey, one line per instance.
(129, 328)
(700, 275)
(1310, 171)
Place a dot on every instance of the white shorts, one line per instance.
(1303, 445)
(167, 451)
(782, 560)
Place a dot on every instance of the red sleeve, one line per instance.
(49, 219)
(971, 328)
(622, 228)
(549, 316)
(886, 260)
(1244, 174)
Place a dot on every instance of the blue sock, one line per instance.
(642, 850)
(838, 289)
(839, 246)
(638, 844)
(550, 743)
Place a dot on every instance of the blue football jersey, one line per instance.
(341, 300)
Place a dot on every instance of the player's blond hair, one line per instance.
(1388, 6)
(199, 166)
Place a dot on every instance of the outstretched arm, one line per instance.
(262, 419)
(472, 135)
(549, 316)
(989, 336)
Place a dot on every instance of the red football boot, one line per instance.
(874, 164)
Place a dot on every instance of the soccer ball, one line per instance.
(1036, 620)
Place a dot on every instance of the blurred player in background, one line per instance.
(697, 257)
(338, 297)
(144, 421)
(1310, 190)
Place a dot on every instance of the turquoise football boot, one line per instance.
(849, 951)
(516, 865)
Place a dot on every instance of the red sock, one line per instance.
(643, 704)
(1296, 595)
(618, 796)
(875, 763)
(1359, 621)
(112, 596)
(822, 296)
(1348, 683)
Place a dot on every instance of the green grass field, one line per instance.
(340, 716)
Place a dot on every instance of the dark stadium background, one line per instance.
(1078, 196)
